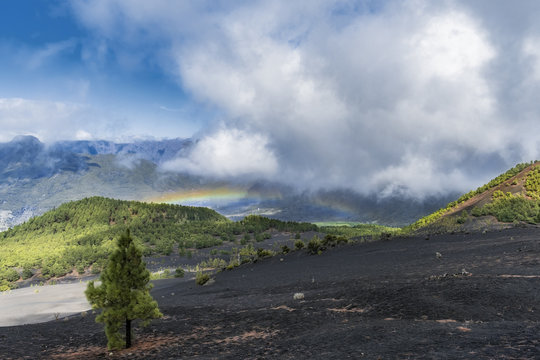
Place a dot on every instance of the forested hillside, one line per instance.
(79, 235)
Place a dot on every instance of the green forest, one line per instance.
(81, 234)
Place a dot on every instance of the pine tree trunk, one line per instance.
(128, 333)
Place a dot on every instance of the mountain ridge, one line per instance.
(36, 177)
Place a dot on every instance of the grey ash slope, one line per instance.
(388, 299)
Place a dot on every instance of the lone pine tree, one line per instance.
(124, 293)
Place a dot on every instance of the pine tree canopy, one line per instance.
(124, 293)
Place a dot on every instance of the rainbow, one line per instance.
(222, 194)
(239, 198)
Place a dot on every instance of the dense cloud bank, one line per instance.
(412, 98)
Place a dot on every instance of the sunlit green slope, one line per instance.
(79, 235)
(511, 197)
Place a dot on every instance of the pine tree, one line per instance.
(124, 293)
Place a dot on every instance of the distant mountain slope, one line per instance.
(512, 196)
(25, 157)
(151, 150)
(35, 178)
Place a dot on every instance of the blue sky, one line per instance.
(395, 97)
(47, 56)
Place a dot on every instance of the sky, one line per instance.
(413, 98)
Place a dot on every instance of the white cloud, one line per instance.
(402, 98)
(83, 135)
(227, 153)
(46, 120)
(54, 120)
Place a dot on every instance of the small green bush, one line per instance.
(262, 253)
(245, 239)
(315, 246)
(27, 273)
(285, 249)
(297, 236)
(179, 272)
(333, 240)
(9, 275)
(201, 278)
(299, 244)
(463, 217)
(79, 267)
(329, 240)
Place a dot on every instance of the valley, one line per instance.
(36, 178)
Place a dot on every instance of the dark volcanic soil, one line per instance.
(391, 300)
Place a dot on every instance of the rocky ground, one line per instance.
(447, 296)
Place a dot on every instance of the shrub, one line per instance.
(299, 244)
(27, 273)
(463, 217)
(315, 246)
(329, 240)
(297, 236)
(262, 253)
(245, 239)
(213, 263)
(285, 249)
(179, 272)
(201, 278)
(247, 254)
(510, 208)
(79, 267)
(10, 275)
